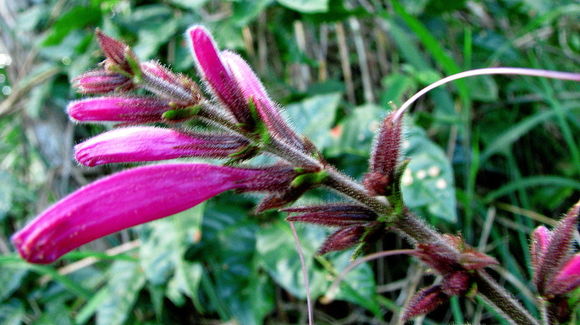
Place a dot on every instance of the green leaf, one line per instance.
(550, 181)
(357, 131)
(306, 6)
(428, 180)
(314, 117)
(12, 313)
(10, 280)
(189, 4)
(7, 187)
(165, 241)
(238, 287)
(279, 258)
(247, 10)
(506, 139)
(74, 19)
(125, 282)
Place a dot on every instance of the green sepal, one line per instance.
(134, 66)
(309, 179)
(243, 154)
(367, 240)
(181, 114)
(261, 132)
(472, 291)
(395, 195)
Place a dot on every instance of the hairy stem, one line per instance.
(411, 226)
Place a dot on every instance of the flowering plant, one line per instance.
(241, 122)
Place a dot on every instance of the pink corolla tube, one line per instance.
(253, 89)
(118, 109)
(147, 143)
(123, 200)
(215, 73)
(567, 278)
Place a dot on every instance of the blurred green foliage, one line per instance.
(498, 151)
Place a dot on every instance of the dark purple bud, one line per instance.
(439, 257)
(334, 215)
(117, 52)
(385, 155)
(377, 183)
(273, 179)
(342, 239)
(456, 283)
(558, 250)
(101, 82)
(471, 259)
(425, 301)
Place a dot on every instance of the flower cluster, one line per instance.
(249, 122)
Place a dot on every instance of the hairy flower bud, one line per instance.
(216, 75)
(334, 215)
(343, 238)
(118, 53)
(118, 109)
(384, 156)
(253, 90)
(146, 143)
(101, 82)
(173, 84)
(424, 302)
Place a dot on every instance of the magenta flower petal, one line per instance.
(253, 89)
(540, 241)
(118, 109)
(568, 278)
(123, 200)
(147, 143)
(215, 73)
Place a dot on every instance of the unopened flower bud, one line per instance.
(343, 238)
(334, 215)
(424, 302)
(118, 109)
(456, 283)
(384, 156)
(216, 75)
(101, 82)
(118, 53)
(173, 84)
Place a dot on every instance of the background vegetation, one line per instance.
(491, 157)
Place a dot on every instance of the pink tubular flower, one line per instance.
(126, 199)
(147, 143)
(118, 109)
(217, 76)
(253, 90)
